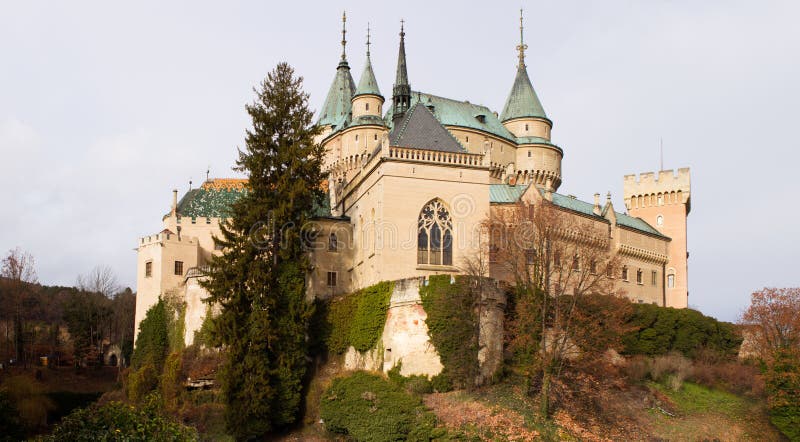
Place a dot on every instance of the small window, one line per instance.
(530, 256)
(148, 269)
(639, 276)
(593, 267)
(575, 264)
(333, 243)
(179, 268)
(467, 138)
(356, 137)
(654, 277)
(529, 154)
(660, 220)
(671, 281)
(557, 259)
(366, 106)
(625, 273)
(208, 220)
(332, 279)
(526, 127)
(194, 220)
(609, 273)
(376, 137)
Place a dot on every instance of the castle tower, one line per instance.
(665, 204)
(336, 109)
(524, 116)
(401, 92)
(367, 100)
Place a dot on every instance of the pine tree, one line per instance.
(259, 280)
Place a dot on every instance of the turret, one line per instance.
(664, 202)
(336, 110)
(401, 92)
(523, 114)
(367, 100)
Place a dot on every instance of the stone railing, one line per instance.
(435, 156)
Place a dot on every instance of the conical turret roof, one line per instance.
(337, 104)
(522, 101)
(368, 85)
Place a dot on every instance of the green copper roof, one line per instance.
(214, 201)
(459, 113)
(522, 101)
(367, 85)
(209, 202)
(505, 193)
(337, 104)
(576, 205)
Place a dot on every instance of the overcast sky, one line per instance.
(106, 107)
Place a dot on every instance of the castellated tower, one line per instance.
(665, 204)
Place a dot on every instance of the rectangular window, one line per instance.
(331, 279)
(654, 277)
(639, 276)
(179, 268)
(593, 267)
(624, 273)
(530, 256)
(148, 269)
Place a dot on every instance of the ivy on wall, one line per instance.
(354, 320)
(453, 327)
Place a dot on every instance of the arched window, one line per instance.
(435, 235)
(333, 243)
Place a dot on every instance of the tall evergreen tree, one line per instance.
(259, 280)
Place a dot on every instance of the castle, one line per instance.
(407, 191)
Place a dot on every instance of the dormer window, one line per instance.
(481, 118)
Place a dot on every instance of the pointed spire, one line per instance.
(401, 93)
(336, 109)
(368, 85)
(522, 101)
(344, 36)
(522, 46)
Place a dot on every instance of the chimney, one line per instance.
(174, 202)
(596, 209)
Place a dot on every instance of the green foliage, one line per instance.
(30, 399)
(140, 382)
(259, 280)
(453, 325)
(152, 341)
(369, 408)
(175, 309)
(356, 319)
(120, 422)
(206, 336)
(414, 384)
(442, 383)
(783, 387)
(660, 330)
(171, 381)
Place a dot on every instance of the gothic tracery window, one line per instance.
(435, 235)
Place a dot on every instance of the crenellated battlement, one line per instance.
(648, 189)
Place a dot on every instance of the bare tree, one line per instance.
(100, 279)
(555, 260)
(17, 275)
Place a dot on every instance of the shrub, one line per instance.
(660, 330)
(119, 422)
(414, 384)
(637, 368)
(783, 387)
(369, 408)
(671, 369)
(172, 381)
(30, 400)
(441, 382)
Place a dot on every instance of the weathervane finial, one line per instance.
(344, 32)
(522, 46)
(368, 39)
